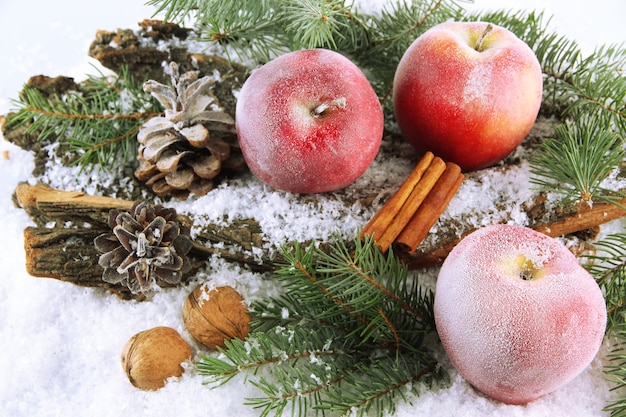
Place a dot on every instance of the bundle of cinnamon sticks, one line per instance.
(409, 214)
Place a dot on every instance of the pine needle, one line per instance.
(608, 266)
(576, 161)
(98, 123)
(346, 336)
(616, 369)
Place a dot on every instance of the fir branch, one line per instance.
(576, 161)
(405, 21)
(249, 27)
(320, 24)
(277, 346)
(97, 122)
(175, 10)
(304, 362)
(298, 387)
(600, 88)
(347, 335)
(299, 276)
(357, 283)
(609, 269)
(615, 370)
(377, 387)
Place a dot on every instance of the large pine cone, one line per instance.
(187, 149)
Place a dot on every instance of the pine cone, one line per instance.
(186, 150)
(147, 245)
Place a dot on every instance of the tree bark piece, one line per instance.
(60, 246)
(68, 255)
(44, 205)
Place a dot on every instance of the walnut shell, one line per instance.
(215, 316)
(152, 356)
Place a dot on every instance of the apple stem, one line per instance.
(527, 270)
(479, 42)
(323, 108)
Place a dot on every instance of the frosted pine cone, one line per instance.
(186, 150)
(147, 245)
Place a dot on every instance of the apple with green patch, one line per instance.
(309, 121)
(516, 313)
(467, 91)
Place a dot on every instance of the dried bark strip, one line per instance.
(66, 251)
(68, 255)
(44, 205)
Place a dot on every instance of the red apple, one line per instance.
(309, 121)
(467, 91)
(517, 314)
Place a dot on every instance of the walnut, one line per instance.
(152, 356)
(215, 316)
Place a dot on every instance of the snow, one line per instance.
(61, 344)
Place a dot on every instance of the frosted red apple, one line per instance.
(517, 314)
(309, 121)
(467, 91)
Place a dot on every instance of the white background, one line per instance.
(52, 38)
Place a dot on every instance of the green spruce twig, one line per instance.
(577, 161)
(609, 269)
(317, 24)
(258, 30)
(348, 335)
(96, 123)
(616, 369)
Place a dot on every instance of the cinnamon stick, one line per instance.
(584, 219)
(413, 202)
(430, 210)
(383, 218)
